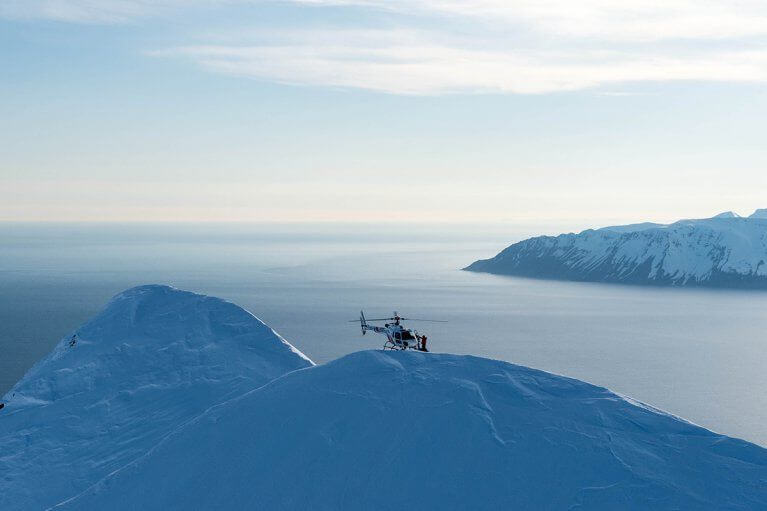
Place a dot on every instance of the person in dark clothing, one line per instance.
(423, 343)
(73, 341)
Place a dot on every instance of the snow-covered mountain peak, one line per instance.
(727, 214)
(725, 250)
(161, 333)
(759, 213)
(152, 359)
(408, 430)
(171, 400)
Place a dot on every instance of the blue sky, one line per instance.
(425, 111)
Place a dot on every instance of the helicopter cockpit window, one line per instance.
(407, 336)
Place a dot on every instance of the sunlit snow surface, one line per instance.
(153, 359)
(164, 404)
(725, 251)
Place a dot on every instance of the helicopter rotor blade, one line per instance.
(401, 319)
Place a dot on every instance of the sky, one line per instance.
(432, 111)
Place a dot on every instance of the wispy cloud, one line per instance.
(521, 46)
(637, 20)
(404, 62)
(84, 11)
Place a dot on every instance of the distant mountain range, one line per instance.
(723, 251)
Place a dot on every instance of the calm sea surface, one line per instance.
(699, 354)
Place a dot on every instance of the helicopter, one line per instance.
(397, 336)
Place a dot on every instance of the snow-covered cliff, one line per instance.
(152, 360)
(723, 251)
(162, 403)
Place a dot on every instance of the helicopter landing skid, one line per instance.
(392, 346)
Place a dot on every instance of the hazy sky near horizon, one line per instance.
(547, 111)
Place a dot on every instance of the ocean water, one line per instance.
(699, 354)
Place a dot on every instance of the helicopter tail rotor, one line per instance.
(363, 323)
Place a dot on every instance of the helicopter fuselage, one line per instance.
(399, 336)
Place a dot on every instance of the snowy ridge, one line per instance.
(175, 401)
(724, 251)
(408, 430)
(153, 359)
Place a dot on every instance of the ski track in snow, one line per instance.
(149, 452)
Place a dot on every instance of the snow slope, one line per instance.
(392, 431)
(153, 359)
(723, 251)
